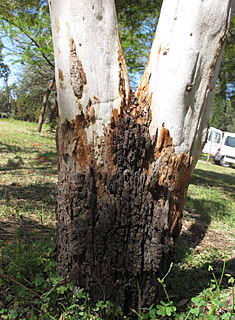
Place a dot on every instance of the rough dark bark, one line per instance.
(44, 103)
(119, 206)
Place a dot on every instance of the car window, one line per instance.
(230, 141)
(214, 137)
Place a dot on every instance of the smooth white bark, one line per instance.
(93, 27)
(183, 68)
(181, 74)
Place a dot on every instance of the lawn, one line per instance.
(29, 286)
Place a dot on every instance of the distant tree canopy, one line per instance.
(137, 22)
(30, 91)
(223, 111)
(4, 69)
(5, 101)
(26, 25)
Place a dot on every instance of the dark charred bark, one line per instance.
(44, 103)
(119, 207)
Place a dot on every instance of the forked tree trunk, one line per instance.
(125, 160)
(44, 104)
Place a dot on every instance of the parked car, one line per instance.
(213, 141)
(225, 154)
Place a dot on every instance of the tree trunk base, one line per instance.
(117, 217)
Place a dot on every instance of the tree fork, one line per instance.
(125, 160)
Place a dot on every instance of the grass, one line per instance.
(208, 232)
(29, 286)
(28, 171)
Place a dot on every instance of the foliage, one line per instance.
(30, 91)
(223, 113)
(27, 25)
(6, 101)
(227, 70)
(4, 69)
(137, 24)
(223, 110)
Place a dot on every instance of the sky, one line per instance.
(9, 59)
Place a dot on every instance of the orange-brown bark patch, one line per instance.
(164, 139)
(175, 174)
(90, 112)
(77, 74)
(217, 53)
(123, 75)
(158, 55)
(61, 78)
(143, 88)
(73, 141)
(114, 118)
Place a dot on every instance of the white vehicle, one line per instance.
(213, 141)
(225, 154)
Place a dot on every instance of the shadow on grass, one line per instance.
(214, 179)
(8, 148)
(190, 275)
(44, 193)
(42, 161)
(24, 228)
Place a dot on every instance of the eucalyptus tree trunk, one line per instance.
(125, 159)
(44, 104)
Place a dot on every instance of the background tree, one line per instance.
(223, 111)
(6, 101)
(27, 26)
(30, 91)
(125, 160)
(4, 69)
(137, 22)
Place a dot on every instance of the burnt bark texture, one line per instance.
(119, 206)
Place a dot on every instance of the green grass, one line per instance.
(28, 171)
(208, 232)
(28, 188)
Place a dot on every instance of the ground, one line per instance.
(28, 188)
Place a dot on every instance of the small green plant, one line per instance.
(210, 302)
(166, 309)
(232, 312)
(163, 309)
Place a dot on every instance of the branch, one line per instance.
(35, 42)
(38, 46)
(19, 284)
